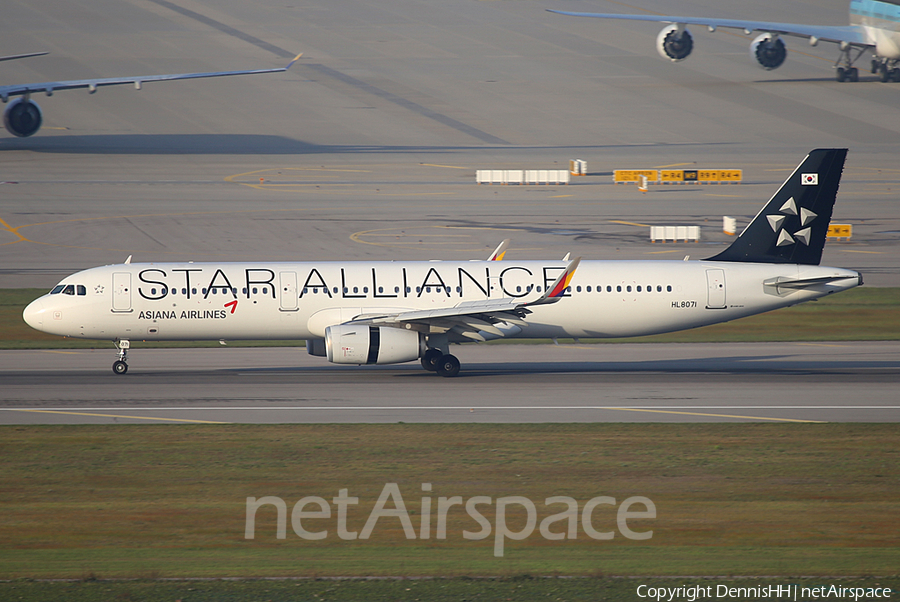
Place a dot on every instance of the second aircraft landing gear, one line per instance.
(847, 72)
(120, 366)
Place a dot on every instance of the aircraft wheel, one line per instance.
(884, 74)
(431, 358)
(448, 366)
(895, 74)
(853, 74)
(841, 74)
(875, 66)
(120, 367)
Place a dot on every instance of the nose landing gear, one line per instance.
(120, 366)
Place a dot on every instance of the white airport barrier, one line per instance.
(578, 167)
(729, 225)
(521, 176)
(675, 233)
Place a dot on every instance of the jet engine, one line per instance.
(768, 50)
(22, 117)
(674, 43)
(364, 344)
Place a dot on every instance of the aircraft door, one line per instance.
(288, 286)
(715, 281)
(121, 292)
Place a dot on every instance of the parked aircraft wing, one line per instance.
(92, 84)
(849, 33)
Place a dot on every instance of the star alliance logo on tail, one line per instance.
(810, 179)
(790, 208)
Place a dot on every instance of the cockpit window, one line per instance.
(57, 289)
(82, 291)
(69, 290)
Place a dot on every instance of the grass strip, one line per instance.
(170, 500)
(862, 314)
(520, 587)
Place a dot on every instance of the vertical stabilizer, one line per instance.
(791, 228)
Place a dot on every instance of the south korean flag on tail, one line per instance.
(809, 179)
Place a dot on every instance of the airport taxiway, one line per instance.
(746, 382)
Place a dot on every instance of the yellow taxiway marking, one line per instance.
(447, 166)
(716, 415)
(672, 165)
(663, 252)
(561, 196)
(868, 252)
(615, 221)
(820, 345)
(121, 416)
(12, 230)
(63, 352)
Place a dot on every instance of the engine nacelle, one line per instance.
(768, 50)
(674, 43)
(22, 117)
(363, 344)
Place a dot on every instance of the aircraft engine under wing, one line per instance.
(23, 116)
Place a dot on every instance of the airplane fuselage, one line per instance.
(197, 301)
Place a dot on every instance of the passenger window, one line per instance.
(255, 290)
(588, 289)
(608, 288)
(193, 291)
(265, 290)
(669, 289)
(578, 289)
(628, 288)
(57, 289)
(638, 288)
(658, 288)
(619, 288)
(81, 290)
(365, 289)
(396, 289)
(380, 289)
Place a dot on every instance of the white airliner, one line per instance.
(874, 26)
(392, 311)
(23, 116)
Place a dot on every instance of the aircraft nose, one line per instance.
(34, 314)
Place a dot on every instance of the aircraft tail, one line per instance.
(791, 228)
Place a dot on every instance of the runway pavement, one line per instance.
(367, 149)
(782, 382)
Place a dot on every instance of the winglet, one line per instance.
(500, 251)
(557, 290)
(294, 60)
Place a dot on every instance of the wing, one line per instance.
(138, 81)
(849, 34)
(476, 320)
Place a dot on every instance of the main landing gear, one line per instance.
(120, 366)
(444, 364)
(847, 72)
(886, 69)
